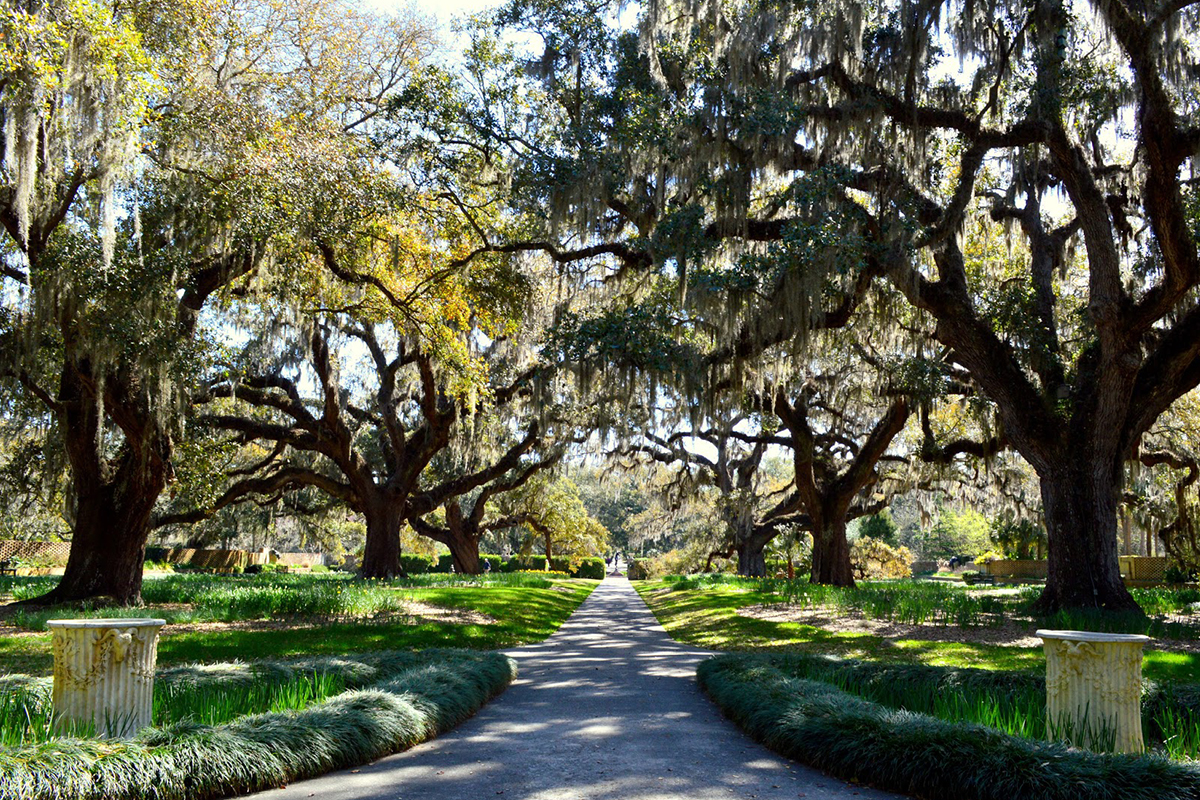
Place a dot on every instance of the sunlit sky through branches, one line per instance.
(444, 10)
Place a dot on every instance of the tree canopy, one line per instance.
(291, 249)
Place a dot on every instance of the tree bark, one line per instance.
(751, 561)
(114, 497)
(1080, 505)
(108, 544)
(831, 555)
(464, 549)
(381, 553)
(750, 545)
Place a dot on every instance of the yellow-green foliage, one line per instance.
(873, 559)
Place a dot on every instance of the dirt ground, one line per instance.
(1010, 634)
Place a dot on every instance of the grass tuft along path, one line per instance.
(605, 709)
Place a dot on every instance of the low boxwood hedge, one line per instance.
(413, 697)
(593, 568)
(414, 564)
(590, 567)
(855, 739)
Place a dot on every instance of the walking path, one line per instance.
(605, 709)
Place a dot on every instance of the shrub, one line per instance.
(874, 558)
(446, 560)
(1176, 574)
(861, 741)
(589, 567)
(970, 576)
(592, 568)
(414, 564)
(319, 569)
(533, 563)
(637, 570)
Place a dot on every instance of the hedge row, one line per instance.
(586, 568)
(900, 684)
(857, 740)
(416, 696)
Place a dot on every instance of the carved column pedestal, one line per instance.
(104, 673)
(1094, 689)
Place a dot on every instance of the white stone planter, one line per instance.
(104, 673)
(1094, 689)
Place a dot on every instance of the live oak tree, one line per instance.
(370, 449)
(724, 460)
(855, 143)
(1160, 491)
(548, 510)
(159, 157)
(837, 452)
(506, 500)
(837, 408)
(860, 434)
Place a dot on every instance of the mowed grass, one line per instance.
(708, 618)
(523, 611)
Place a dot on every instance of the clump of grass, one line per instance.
(1179, 729)
(1011, 702)
(25, 710)
(912, 753)
(175, 702)
(1166, 599)
(414, 696)
(24, 588)
(206, 693)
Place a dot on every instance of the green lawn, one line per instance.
(708, 618)
(523, 614)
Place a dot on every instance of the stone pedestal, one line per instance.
(1094, 689)
(104, 673)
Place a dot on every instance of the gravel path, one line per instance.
(605, 709)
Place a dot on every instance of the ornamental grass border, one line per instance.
(861, 741)
(414, 697)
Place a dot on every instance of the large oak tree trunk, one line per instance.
(751, 561)
(750, 545)
(1080, 505)
(464, 549)
(831, 554)
(381, 553)
(114, 498)
(108, 544)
